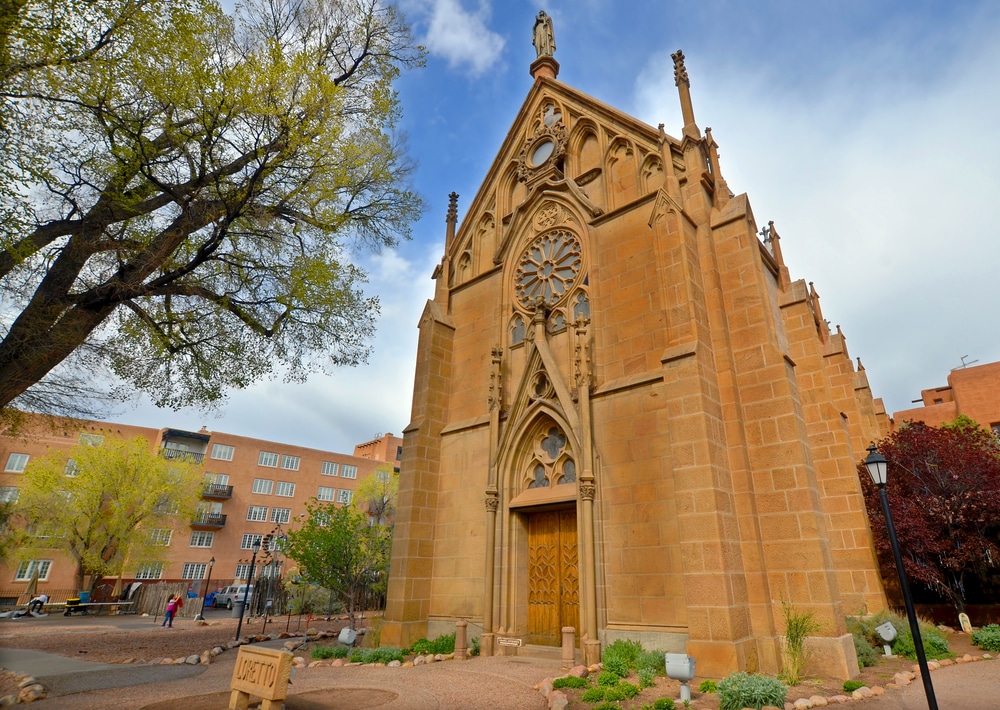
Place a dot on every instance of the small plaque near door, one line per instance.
(508, 641)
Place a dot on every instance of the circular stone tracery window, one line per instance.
(548, 268)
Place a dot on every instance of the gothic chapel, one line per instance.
(627, 418)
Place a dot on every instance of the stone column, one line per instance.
(486, 639)
(568, 656)
(461, 644)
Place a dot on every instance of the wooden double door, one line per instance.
(553, 576)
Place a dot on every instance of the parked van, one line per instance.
(231, 594)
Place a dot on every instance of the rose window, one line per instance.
(548, 268)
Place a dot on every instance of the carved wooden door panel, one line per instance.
(553, 576)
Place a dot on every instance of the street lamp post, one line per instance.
(208, 581)
(877, 467)
(246, 592)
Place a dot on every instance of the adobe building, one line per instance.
(972, 391)
(627, 418)
(252, 488)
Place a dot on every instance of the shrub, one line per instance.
(851, 685)
(442, 644)
(935, 644)
(988, 638)
(570, 682)
(647, 677)
(614, 695)
(708, 686)
(323, 652)
(594, 695)
(798, 626)
(652, 660)
(376, 655)
(739, 690)
(624, 650)
(629, 689)
(663, 704)
(867, 655)
(616, 665)
(608, 679)
(607, 706)
(474, 647)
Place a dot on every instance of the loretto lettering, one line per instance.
(261, 673)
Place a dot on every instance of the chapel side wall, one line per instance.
(475, 309)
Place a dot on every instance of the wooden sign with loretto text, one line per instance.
(263, 672)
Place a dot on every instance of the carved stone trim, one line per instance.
(492, 503)
(587, 491)
(556, 133)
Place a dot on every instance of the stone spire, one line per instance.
(784, 277)
(684, 89)
(721, 195)
(451, 220)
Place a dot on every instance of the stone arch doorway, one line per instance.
(553, 578)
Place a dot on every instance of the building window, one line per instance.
(996, 428)
(345, 496)
(249, 539)
(268, 459)
(382, 475)
(222, 452)
(290, 462)
(16, 463)
(150, 570)
(270, 570)
(202, 538)
(263, 485)
(326, 493)
(349, 471)
(257, 513)
(72, 469)
(281, 515)
(399, 452)
(26, 570)
(242, 572)
(219, 479)
(330, 468)
(284, 488)
(9, 494)
(160, 536)
(322, 519)
(91, 439)
(194, 570)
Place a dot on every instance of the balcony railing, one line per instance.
(209, 521)
(217, 490)
(180, 453)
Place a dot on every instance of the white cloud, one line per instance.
(460, 36)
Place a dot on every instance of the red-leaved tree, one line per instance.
(944, 492)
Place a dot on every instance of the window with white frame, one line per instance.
(322, 519)
(345, 496)
(249, 539)
(326, 493)
(330, 468)
(242, 572)
(26, 570)
(382, 475)
(219, 479)
(290, 462)
(268, 458)
(194, 570)
(348, 471)
(270, 570)
(72, 468)
(160, 536)
(281, 515)
(16, 463)
(167, 506)
(149, 570)
(263, 485)
(91, 439)
(257, 513)
(202, 538)
(9, 494)
(284, 488)
(222, 452)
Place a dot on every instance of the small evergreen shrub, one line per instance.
(653, 660)
(708, 686)
(988, 638)
(647, 677)
(740, 690)
(623, 649)
(629, 689)
(663, 704)
(607, 706)
(616, 665)
(442, 644)
(376, 655)
(935, 644)
(608, 679)
(851, 685)
(570, 682)
(323, 652)
(614, 695)
(594, 695)
(474, 649)
(867, 655)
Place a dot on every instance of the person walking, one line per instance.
(173, 605)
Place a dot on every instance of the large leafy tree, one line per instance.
(944, 492)
(337, 549)
(376, 495)
(106, 505)
(182, 191)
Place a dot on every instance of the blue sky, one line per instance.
(869, 131)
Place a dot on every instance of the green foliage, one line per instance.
(323, 652)
(376, 495)
(337, 549)
(570, 682)
(115, 509)
(624, 649)
(629, 689)
(652, 660)
(647, 677)
(740, 690)
(987, 638)
(607, 706)
(594, 695)
(663, 704)
(851, 685)
(616, 665)
(865, 625)
(474, 648)
(608, 679)
(935, 644)
(615, 694)
(442, 644)
(708, 686)
(867, 654)
(384, 654)
(798, 627)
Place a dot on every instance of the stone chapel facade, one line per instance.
(627, 417)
